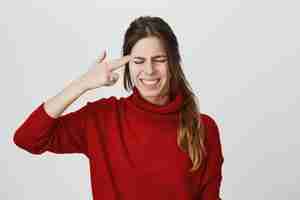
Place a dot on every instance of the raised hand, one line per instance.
(102, 74)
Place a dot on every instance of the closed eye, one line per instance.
(138, 62)
(160, 61)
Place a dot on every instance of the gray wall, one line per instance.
(242, 59)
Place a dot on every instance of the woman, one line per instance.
(153, 144)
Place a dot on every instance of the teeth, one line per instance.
(150, 82)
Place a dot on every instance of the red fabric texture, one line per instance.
(131, 145)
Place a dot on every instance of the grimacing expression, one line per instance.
(149, 68)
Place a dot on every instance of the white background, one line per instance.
(242, 59)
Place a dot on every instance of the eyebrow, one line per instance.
(158, 56)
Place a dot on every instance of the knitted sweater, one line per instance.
(131, 145)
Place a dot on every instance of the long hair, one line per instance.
(191, 134)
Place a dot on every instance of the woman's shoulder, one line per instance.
(105, 103)
(208, 119)
(213, 140)
(212, 128)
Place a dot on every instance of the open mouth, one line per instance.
(150, 83)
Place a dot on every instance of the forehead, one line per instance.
(149, 46)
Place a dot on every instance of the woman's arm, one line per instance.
(56, 105)
(45, 130)
(210, 189)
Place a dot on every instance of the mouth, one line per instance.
(153, 83)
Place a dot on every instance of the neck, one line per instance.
(165, 104)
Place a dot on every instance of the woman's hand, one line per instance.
(102, 74)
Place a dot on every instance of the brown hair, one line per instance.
(191, 134)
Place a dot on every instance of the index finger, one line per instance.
(118, 63)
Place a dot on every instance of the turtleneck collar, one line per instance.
(172, 106)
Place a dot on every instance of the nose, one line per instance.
(149, 68)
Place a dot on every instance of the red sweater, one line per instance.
(131, 145)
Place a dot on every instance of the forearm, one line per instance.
(57, 104)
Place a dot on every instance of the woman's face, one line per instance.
(149, 70)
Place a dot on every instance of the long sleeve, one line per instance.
(65, 134)
(213, 172)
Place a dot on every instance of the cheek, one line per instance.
(164, 71)
(134, 72)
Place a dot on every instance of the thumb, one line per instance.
(101, 57)
(114, 77)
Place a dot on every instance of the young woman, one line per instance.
(153, 144)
